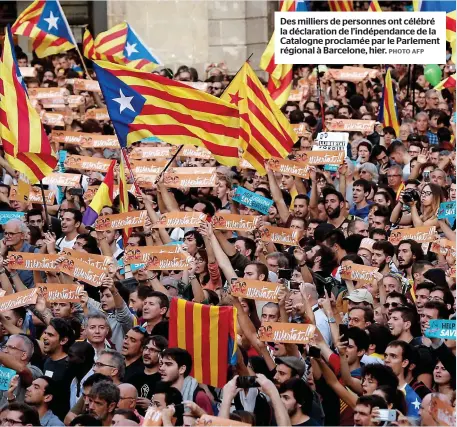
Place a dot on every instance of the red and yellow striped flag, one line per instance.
(341, 5)
(26, 144)
(265, 132)
(374, 6)
(208, 333)
(446, 83)
(388, 109)
(123, 199)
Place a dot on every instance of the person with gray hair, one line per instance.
(432, 100)
(112, 364)
(277, 260)
(103, 399)
(369, 172)
(15, 241)
(395, 177)
(16, 354)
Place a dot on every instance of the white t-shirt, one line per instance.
(63, 243)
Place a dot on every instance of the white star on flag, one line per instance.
(124, 102)
(416, 404)
(52, 21)
(130, 48)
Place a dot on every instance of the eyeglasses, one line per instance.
(10, 422)
(199, 260)
(101, 365)
(392, 304)
(11, 347)
(9, 234)
(426, 193)
(152, 350)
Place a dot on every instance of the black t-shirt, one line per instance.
(59, 372)
(145, 384)
(310, 422)
(133, 369)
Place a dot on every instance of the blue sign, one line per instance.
(6, 216)
(441, 328)
(5, 377)
(252, 200)
(447, 211)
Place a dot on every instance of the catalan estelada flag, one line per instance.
(103, 197)
(45, 23)
(26, 144)
(388, 109)
(265, 131)
(122, 45)
(341, 5)
(374, 6)
(208, 333)
(142, 105)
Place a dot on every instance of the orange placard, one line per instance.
(122, 220)
(167, 261)
(66, 137)
(294, 333)
(52, 119)
(59, 103)
(173, 180)
(83, 271)
(35, 196)
(443, 247)
(223, 221)
(318, 157)
(419, 234)
(30, 261)
(99, 114)
(192, 170)
(351, 125)
(146, 180)
(348, 75)
(300, 129)
(442, 413)
(372, 73)
(97, 261)
(357, 272)
(87, 163)
(62, 179)
(180, 220)
(282, 236)
(289, 167)
(47, 92)
(195, 152)
(18, 299)
(143, 153)
(210, 420)
(27, 71)
(147, 167)
(57, 292)
(140, 254)
(255, 289)
(295, 95)
(86, 85)
(86, 140)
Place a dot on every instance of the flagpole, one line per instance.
(45, 207)
(127, 163)
(409, 82)
(83, 63)
(321, 104)
(413, 85)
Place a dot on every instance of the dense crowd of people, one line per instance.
(105, 359)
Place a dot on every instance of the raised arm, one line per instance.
(278, 198)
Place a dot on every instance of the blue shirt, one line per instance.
(27, 275)
(413, 401)
(49, 419)
(361, 213)
(432, 138)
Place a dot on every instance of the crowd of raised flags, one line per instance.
(227, 252)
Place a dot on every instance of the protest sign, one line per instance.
(324, 157)
(27, 71)
(168, 261)
(5, 377)
(35, 196)
(140, 254)
(197, 85)
(211, 420)
(18, 299)
(190, 180)
(52, 119)
(193, 170)
(300, 129)
(97, 261)
(289, 167)
(83, 271)
(147, 167)
(441, 328)
(252, 200)
(180, 220)
(87, 163)
(122, 220)
(255, 289)
(295, 95)
(99, 114)
(443, 247)
(346, 125)
(372, 72)
(72, 101)
(331, 141)
(146, 181)
(195, 152)
(86, 140)
(62, 179)
(31, 261)
(294, 333)
(447, 211)
(279, 235)
(223, 221)
(348, 75)
(143, 153)
(6, 216)
(424, 234)
(58, 292)
(442, 413)
(47, 92)
(86, 85)
(358, 272)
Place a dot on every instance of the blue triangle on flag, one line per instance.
(53, 22)
(135, 49)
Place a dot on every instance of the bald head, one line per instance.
(311, 292)
(128, 396)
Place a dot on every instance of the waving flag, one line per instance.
(374, 6)
(446, 83)
(45, 23)
(265, 131)
(26, 144)
(433, 5)
(122, 45)
(388, 109)
(144, 104)
(208, 333)
(341, 5)
(103, 197)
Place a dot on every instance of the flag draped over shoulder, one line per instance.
(45, 23)
(122, 45)
(26, 144)
(374, 6)
(388, 109)
(142, 105)
(103, 197)
(265, 131)
(208, 333)
(341, 5)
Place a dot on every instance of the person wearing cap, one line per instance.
(366, 250)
